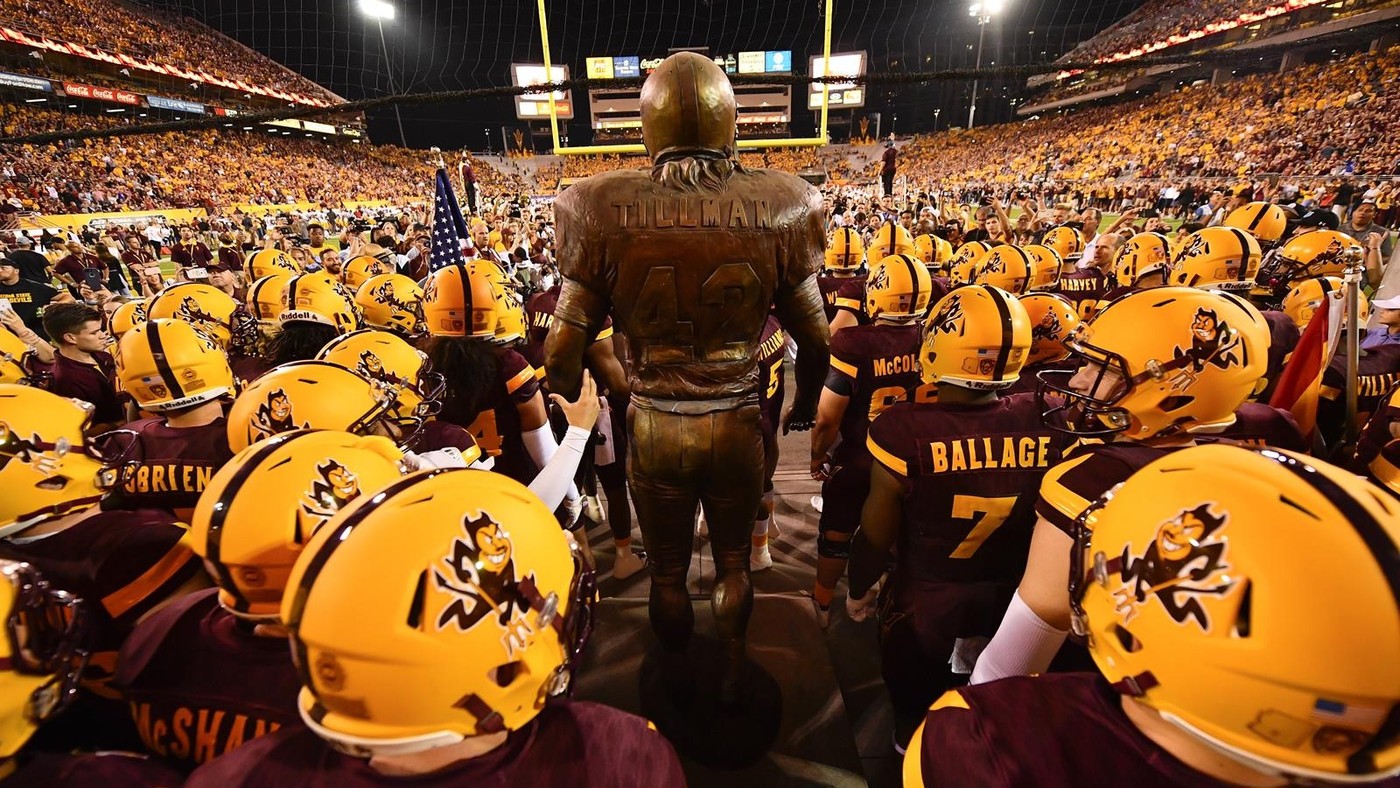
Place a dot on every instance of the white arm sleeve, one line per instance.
(1024, 645)
(556, 482)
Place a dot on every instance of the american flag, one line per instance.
(448, 226)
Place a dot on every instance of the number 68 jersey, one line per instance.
(970, 475)
(688, 275)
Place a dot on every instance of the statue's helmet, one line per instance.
(688, 108)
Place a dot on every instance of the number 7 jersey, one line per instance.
(970, 475)
(689, 275)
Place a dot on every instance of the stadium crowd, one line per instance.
(1158, 21)
(137, 31)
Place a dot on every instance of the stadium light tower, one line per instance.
(379, 10)
(983, 10)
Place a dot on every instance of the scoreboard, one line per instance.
(535, 106)
(619, 108)
(840, 95)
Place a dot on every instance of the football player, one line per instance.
(772, 349)
(492, 390)
(602, 361)
(1307, 256)
(1147, 392)
(217, 315)
(841, 282)
(1184, 577)
(1142, 263)
(317, 309)
(436, 626)
(953, 485)
(1052, 319)
(42, 655)
(258, 513)
(872, 367)
(131, 562)
(394, 303)
(173, 370)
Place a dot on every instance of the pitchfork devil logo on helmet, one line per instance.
(481, 579)
(949, 319)
(1185, 561)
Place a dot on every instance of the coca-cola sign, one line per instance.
(100, 93)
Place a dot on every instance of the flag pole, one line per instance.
(1355, 269)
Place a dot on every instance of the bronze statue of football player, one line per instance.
(688, 259)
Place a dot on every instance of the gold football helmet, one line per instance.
(393, 302)
(891, 239)
(482, 614)
(1052, 318)
(168, 365)
(964, 264)
(43, 652)
(459, 301)
(936, 252)
(976, 337)
(46, 467)
(128, 316)
(319, 298)
(1197, 584)
(209, 309)
(265, 504)
(1306, 296)
(1217, 258)
(1162, 361)
(1310, 255)
(1067, 242)
(1265, 221)
(1045, 266)
(688, 108)
(510, 307)
(265, 262)
(308, 395)
(845, 251)
(382, 356)
(267, 298)
(1143, 255)
(1007, 267)
(898, 286)
(360, 269)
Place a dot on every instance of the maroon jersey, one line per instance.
(200, 684)
(843, 294)
(105, 769)
(1283, 339)
(970, 475)
(123, 563)
(496, 427)
(875, 366)
(93, 383)
(170, 466)
(772, 349)
(1375, 435)
(1377, 373)
(1083, 287)
(1084, 475)
(1257, 424)
(193, 254)
(572, 743)
(231, 259)
(539, 316)
(1059, 730)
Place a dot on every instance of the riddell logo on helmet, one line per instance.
(481, 582)
(1185, 561)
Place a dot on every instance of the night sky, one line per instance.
(448, 46)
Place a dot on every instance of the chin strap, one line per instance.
(1136, 686)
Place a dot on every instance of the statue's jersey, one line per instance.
(689, 276)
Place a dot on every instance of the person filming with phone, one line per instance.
(81, 267)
